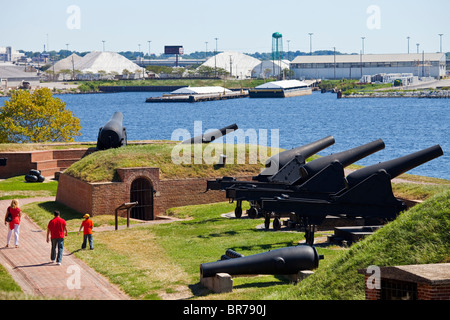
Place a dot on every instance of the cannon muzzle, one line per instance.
(397, 166)
(112, 134)
(211, 136)
(345, 158)
(288, 260)
(278, 161)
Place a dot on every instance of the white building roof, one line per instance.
(200, 90)
(241, 64)
(8, 70)
(106, 61)
(282, 84)
(370, 58)
(271, 66)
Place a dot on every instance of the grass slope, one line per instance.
(418, 236)
(101, 166)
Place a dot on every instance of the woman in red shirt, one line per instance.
(14, 224)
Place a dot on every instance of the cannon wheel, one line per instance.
(267, 221)
(238, 210)
(309, 234)
(252, 212)
(276, 223)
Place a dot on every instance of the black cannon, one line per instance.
(274, 163)
(113, 134)
(299, 155)
(315, 179)
(211, 136)
(368, 194)
(282, 261)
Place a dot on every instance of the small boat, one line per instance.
(281, 89)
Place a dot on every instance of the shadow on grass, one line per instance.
(66, 212)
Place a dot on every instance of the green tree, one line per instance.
(37, 117)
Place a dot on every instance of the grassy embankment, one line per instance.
(92, 86)
(167, 262)
(348, 86)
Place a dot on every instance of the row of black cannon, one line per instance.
(114, 135)
(310, 191)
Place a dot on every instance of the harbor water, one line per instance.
(406, 125)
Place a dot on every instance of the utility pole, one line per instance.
(215, 60)
(288, 48)
(440, 41)
(335, 63)
(408, 43)
(149, 48)
(206, 51)
(310, 43)
(363, 44)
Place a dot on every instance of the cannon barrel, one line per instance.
(211, 136)
(278, 161)
(396, 166)
(288, 260)
(345, 158)
(112, 134)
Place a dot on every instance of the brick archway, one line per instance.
(141, 190)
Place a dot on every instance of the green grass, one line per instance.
(167, 262)
(418, 236)
(18, 188)
(101, 166)
(89, 86)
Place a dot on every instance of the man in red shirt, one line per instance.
(57, 229)
(87, 226)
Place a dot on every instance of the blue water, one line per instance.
(406, 125)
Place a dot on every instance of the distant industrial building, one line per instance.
(12, 76)
(8, 54)
(239, 65)
(270, 68)
(355, 66)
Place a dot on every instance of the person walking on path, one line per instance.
(13, 215)
(87, 226)
(57, 229)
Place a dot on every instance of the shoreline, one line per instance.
(427, 94)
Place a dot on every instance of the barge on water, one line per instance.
(281, 89)
(197, 94)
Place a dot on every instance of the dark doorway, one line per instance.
(142, 192)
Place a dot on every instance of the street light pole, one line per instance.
(408, 43)
(215, 60)
(363, 44)
(310, 43)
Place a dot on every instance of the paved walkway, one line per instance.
(31, 268)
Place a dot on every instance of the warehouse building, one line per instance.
(355, 66)
(13, 76)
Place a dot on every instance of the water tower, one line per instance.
(277, 49)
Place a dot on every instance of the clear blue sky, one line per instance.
(244, 25)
